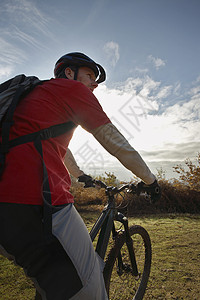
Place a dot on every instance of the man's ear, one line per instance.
(69, 73)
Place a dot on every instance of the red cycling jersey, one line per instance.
(56, 101)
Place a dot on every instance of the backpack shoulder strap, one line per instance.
(43, 134)
(36, 138)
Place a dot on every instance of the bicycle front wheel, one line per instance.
(120, 282)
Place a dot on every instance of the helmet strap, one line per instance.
(76, 73)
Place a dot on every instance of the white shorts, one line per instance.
(69, 228)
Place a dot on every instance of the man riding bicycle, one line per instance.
(66, 265)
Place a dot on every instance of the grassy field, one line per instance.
(175, 272)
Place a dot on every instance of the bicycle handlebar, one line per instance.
(153, 190)
(131, 188)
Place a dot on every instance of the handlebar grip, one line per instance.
(153, 190)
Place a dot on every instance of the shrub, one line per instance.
(178, 195)
(189, 177)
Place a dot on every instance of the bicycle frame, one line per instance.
(105, 224)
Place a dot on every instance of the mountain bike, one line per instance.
(125, 250)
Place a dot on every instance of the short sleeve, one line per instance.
(86, 109)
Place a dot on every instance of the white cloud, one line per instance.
(139, 85)
(164, 92)
(174, 134)
(158, 62)
(194, 91)
(177, 88)
(28, 39)
(25, 12)
(149, 86)
(165, 138)
(112, 52)
(186, 112)
(198, 80)
(22, 25)
(10, 54)
(140, 70)
(5, 71)
(132, 107)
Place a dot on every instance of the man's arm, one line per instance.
(71, 165)
(116, 144)
(75, 171)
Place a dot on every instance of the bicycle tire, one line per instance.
(127, 286)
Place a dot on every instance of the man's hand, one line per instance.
(153, 190)
(87, 180)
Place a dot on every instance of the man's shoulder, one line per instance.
(66, 83)
(73, 88)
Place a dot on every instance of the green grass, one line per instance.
(175, 265)
(175, 257)
(13, 283)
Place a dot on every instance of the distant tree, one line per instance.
(189, 176)
(109, 179)
(161, 174)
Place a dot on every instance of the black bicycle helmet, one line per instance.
(78, 60)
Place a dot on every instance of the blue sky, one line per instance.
(150, 50)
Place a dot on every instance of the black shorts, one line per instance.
(48, 265)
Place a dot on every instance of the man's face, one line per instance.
(85, 75)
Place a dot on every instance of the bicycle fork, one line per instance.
(129, 242)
